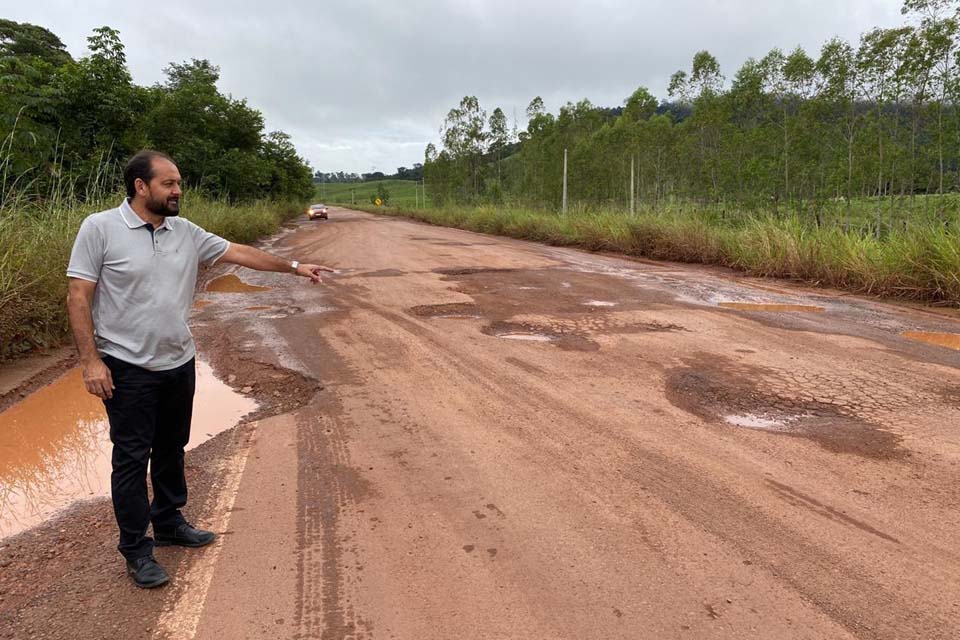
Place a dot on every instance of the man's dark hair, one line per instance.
(141, 166)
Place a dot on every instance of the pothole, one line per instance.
(278, 312)
(530, 332)
(258, 308)
(731, 394)
(948, 340)
(777, 308)
(230, 283)
(527, 337)
(765, 423)
(466, 271)
(382, 273)
(450, 310)
(599, 303)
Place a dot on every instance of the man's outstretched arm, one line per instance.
(247, 256)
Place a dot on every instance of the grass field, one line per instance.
(402, 193)
(919, 261)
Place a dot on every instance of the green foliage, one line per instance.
(382, 196)
(72, 124)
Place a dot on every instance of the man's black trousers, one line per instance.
(149, 421)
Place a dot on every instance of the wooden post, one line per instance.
(564, 207)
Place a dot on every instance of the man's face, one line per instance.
(162, 194)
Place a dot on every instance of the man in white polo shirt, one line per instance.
(132, 275)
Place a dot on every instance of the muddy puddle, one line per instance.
(231, 283)
(948, 340)
(449, 310)
(55, 445)
(776, 308)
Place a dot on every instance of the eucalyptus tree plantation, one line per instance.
(798, 132)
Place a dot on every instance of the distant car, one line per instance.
(317, 212)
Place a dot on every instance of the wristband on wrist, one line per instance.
(294, 266)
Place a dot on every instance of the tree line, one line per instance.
(69, 125)
(343, 177)
(879, 120)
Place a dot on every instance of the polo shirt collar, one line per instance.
(134, 221)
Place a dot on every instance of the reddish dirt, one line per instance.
(654, 466)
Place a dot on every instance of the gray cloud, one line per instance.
(360, 84)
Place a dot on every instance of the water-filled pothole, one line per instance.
(765, 423)
(948, 340)
(449, 310)
(530, 332)
(599, 303)
(382, 273)
(55, 445)
(528, 337)
(231, 283)
(781, 308)
(469, 271)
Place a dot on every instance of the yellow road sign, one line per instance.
(378, 202)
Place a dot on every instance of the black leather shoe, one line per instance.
(183, 536)
(146, 573)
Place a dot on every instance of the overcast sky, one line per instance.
(363, 85)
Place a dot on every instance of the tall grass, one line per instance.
(36, 236)
(919, 261)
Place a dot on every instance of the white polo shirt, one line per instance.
(145, 283)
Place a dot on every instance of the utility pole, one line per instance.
(631, 185)
(564, 207)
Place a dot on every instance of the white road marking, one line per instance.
(179, 621)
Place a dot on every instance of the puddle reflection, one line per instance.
(949, 340)
(55, 445)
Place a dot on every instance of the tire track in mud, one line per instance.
(329, 489)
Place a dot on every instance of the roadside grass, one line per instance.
(402, 193)
(917, 261)
(35, 243)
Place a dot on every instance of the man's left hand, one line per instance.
(313, 272)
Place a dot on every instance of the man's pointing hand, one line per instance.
(313, 272)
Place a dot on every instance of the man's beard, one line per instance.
(167, 208)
